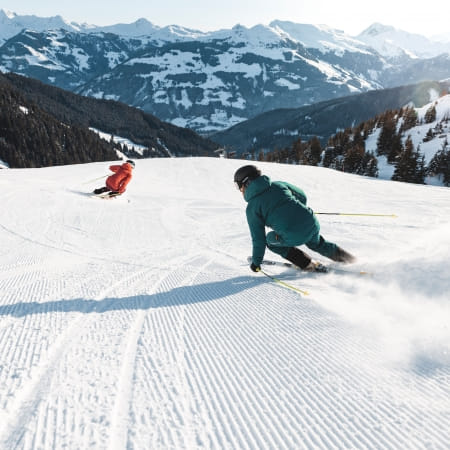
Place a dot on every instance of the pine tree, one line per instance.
(312, 154)
(410, 165)
(430, 115)
(261, 156)
(395, 148)
(353, 159)
(409, 119)
(298, 150)
(421, 169)
(328, 156)
(429, 136)
(440, 164)
(370, 165)
(387, 134)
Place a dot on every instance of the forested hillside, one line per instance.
(281, 127)
(30, 137)
(53, 108)
(406, 144)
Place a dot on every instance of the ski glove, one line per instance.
(255, 268)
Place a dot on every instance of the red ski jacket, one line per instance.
(122, 176)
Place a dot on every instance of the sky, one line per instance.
(351, 16)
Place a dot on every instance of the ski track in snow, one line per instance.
(137, 324)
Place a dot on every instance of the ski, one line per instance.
(105, 196)
(329, 269)
(284, 284)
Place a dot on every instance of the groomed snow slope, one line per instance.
(136, 322)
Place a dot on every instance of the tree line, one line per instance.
(29, 137)
(346, 150)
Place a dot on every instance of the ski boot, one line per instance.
(303, 261)
(342, 256)
(298, 258)
(100, 190)
(316, 266)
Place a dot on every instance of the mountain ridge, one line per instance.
(279, 128)
(210, 81)
(144, 27)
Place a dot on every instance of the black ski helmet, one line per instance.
(131, 162)
(245, 174)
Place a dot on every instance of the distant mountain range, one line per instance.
(279, 128)
(211, 81)
(391, 42)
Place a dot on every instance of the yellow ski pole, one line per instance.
(355, 214)
(282, 283)
(95, 179)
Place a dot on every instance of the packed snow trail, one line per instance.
(136, 323)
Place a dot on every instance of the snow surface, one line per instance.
(136, 323)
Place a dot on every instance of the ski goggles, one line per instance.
(241, 183)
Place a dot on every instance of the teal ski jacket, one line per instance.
(282, 207)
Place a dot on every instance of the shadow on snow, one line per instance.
(184, 295)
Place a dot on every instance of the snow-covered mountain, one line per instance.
(321, 37)
(280, 128)
(136, 322)
(12, 23)
(209, 81)
(442, 37)
(203, 84)
(391, 42)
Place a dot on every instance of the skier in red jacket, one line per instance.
(117, 183)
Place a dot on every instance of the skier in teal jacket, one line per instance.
(282, 207)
